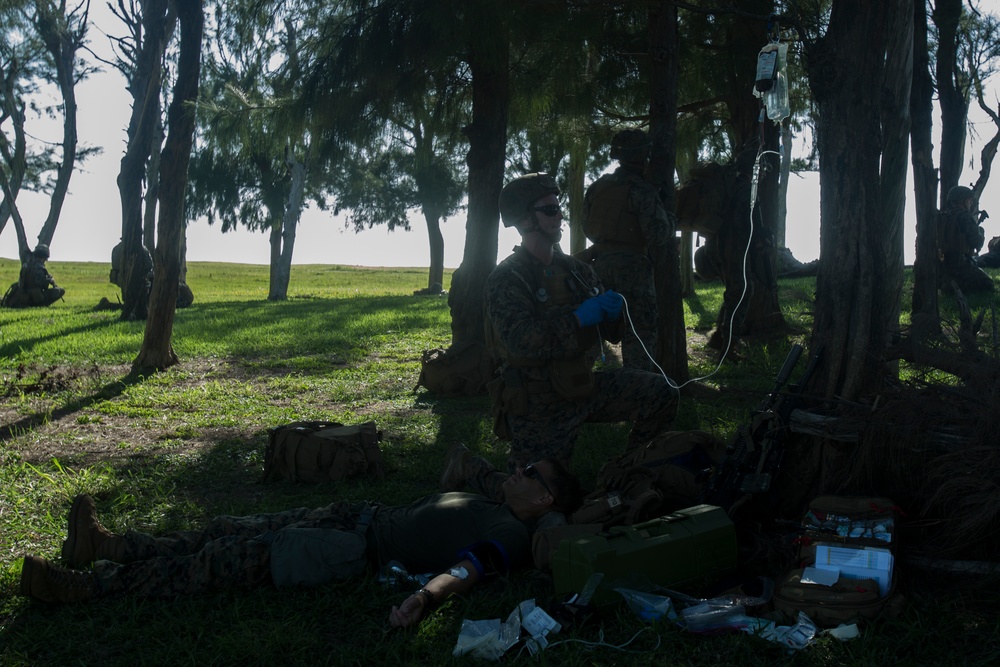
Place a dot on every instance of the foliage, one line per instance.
(169, 451)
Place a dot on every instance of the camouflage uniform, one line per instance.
(36, 284)
(626, 221)
(231, 551)
(427, 535)
(961, 237)
(547, 387)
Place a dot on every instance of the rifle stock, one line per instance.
(754, 457)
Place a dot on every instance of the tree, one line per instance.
(925, 176)
(156, 351)
(40, 47)
(63, 34)
(860, 73)
(412, 166)
(256, 164)
(150, 27)
(663, 77)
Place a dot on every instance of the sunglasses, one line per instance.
(551, 210)
(531, 472)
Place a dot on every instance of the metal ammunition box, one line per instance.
(686, 548)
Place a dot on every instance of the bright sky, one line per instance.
(90, 224)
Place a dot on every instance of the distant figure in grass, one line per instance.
(465, 537)
(185, 297)
(34, 286)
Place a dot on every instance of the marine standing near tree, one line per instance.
(738, 253)
(626, 222)
(547, 316)
(960, 237)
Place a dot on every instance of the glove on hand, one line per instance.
(590, 312)
(611, 304)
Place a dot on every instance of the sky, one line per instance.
(90, 224)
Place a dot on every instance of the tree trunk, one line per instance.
(153, 191)
(763, 314)
(281, 272)
(781, 218)
(156, 351)
(671, 332)
(22, 238)
(578, 149)
(62, 41)
(851, 69)
(487, 135)
(925, 292)
(435, 239)
(16, 163)
(953, 94)
(145, 89)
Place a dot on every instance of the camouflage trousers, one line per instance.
(631, 275)
(549, 430)
(966, 273)
(229, 552)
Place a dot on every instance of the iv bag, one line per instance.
(776, 97)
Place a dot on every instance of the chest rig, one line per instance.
(559, 286)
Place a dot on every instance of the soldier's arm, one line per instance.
(438, 589)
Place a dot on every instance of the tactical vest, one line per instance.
(950, 239)
(554, 287)
(610, 226)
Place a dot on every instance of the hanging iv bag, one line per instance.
(772, 80)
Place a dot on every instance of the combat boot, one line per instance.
(455, 474)
(44, 581)
(85, 534)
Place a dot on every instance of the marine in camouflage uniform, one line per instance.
(626, 221)
(35, 285)
(960, 237)
(309, 547)
(547, 316)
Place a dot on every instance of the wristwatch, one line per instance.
(429, 600)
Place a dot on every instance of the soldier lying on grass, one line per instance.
(466, 536)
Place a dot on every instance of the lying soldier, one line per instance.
(303, 547)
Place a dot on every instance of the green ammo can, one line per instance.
(687, 548)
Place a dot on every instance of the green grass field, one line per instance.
(174, 449)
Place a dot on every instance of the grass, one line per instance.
(170, 451)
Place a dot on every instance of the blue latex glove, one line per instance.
(590, 312)
(611, 304)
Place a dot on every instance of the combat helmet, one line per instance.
(630, 145)
(41, 250)
(959, 193)
(522, 192)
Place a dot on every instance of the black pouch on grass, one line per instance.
(318, 451)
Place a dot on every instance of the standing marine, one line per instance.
(626, 222)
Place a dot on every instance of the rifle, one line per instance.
(754, 456)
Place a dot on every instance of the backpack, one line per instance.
(318, 451)
(460, 370)
(669, 473)
(702, 201)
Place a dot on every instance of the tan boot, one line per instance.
(454, 476)
(85, 533)
(44, 581)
